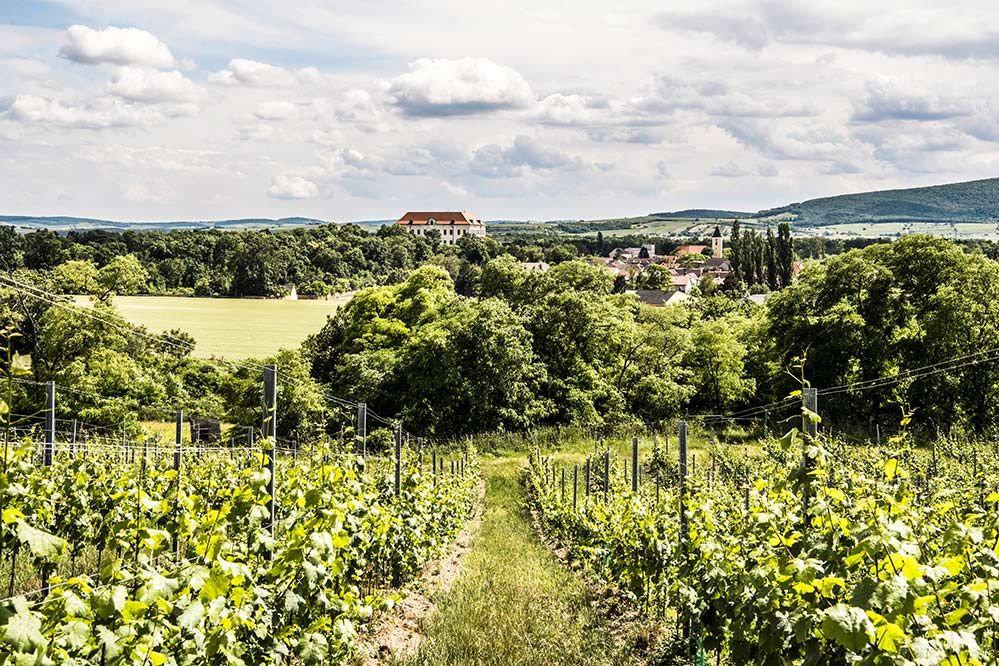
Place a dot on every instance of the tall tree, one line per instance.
(785, 254)
(759, 259)
(746, 260)
(772, 278)
(734, 245)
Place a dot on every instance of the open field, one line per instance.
(965, 230)
(234, 328)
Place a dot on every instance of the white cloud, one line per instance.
(101, 114)
(292, 187)
(459, 87)
(155, 191)
(117, 46)
(573, 109)
(275, 110)
(252, 73)
(524, 154)
(733, 170)
(147, 85)
(891, 99)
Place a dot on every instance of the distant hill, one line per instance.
(66, 224)
(972, 201)
(695, 213)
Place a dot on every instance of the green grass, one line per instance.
(234, 328)
(514, 603)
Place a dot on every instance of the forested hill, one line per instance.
(972, 201)
(694, 213)
(62, 223)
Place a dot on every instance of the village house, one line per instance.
(690, 249)
(660, 298)
(452, 225)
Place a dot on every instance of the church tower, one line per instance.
(716, 244)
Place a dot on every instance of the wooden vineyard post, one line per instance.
(634, 464)
(682, 436)
(47, 455)
(433, 461)
(575, 480)
(398, 460)
(587, 478)
(683, 481)
(72, 441)
(419, 452)
(178, 437)
(810, 428)
(361, 431)
(270, 435)
(563, 484)
(49, 446)
(606, 473)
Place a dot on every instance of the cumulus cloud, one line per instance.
(573, 109)
(343, 162)
(150, 191)
(253, 73)
(903, 29)
(116, 46)
(459, 87)
(292, 187)
(716, 98)
(889, 99)
(733, 170)
(275, 110)
(148, 85)
(495, 161)
(101, 114)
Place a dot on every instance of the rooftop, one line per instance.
(439, 217)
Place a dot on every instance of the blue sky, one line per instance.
(534, 110)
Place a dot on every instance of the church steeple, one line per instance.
(717, 244)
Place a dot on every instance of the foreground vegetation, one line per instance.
(852, 556)
(138, 563)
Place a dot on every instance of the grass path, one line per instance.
(514, 603)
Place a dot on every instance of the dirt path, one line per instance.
(513, 602)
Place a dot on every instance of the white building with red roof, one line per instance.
(452, 224)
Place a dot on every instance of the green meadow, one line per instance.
(234, 328)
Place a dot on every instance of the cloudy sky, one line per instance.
(362, 109)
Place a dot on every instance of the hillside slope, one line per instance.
(972, 201)
(63, 223)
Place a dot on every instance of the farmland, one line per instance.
(233, 328)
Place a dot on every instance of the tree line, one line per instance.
(471, 341)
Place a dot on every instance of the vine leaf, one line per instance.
(42, 544)
(23, 629)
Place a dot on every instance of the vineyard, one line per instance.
(114, 551)
(805, 550)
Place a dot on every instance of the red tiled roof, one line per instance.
(439, 217)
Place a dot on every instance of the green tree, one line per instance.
(716, 361)
(735, 248)
(785, 254)
(773, 278)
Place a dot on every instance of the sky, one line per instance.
(364, 109)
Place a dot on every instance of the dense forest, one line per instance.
(521, 349)
(972, 201)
